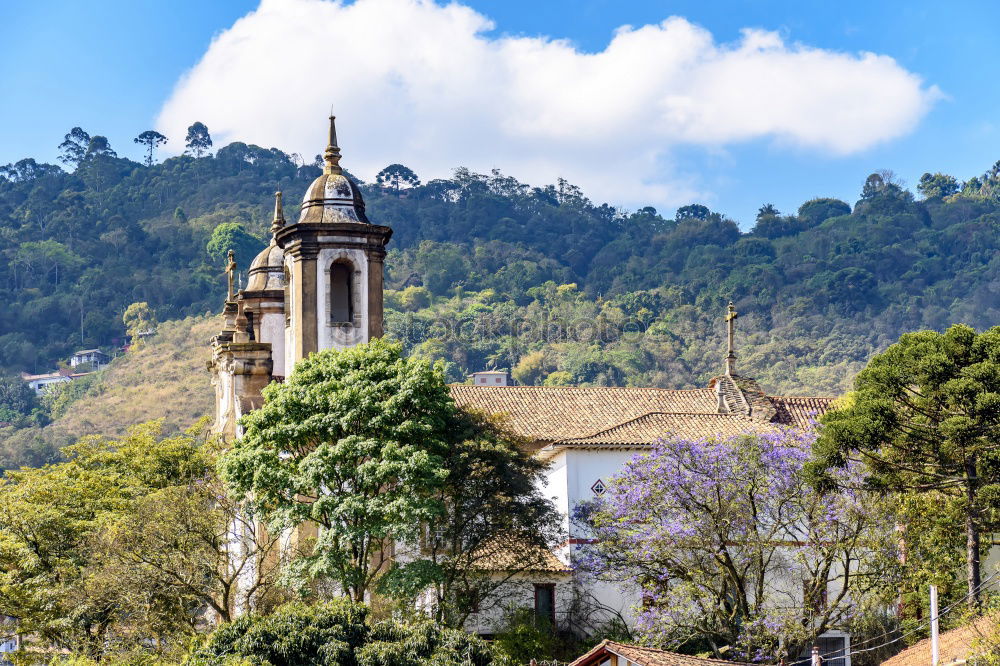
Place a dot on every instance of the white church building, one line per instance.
(319, 285)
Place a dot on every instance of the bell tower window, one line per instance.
(341, 304)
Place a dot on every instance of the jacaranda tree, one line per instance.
(733, 550)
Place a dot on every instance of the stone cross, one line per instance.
(731, 326)
(230, 269)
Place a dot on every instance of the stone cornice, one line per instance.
(303, 239)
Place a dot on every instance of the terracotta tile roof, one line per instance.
(799, 411)
(648, 428)
(600, 415)
(506, 555)
(644, 656)
(954, 647)
(553, 413)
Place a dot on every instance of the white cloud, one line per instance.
(415, 82)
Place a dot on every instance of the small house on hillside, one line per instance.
(610, 653)
(94, 357)
(492, 378)
(38, 383)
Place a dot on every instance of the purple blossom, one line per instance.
(723, 535)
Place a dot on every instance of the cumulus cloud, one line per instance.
(428, 85)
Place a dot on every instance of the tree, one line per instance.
(26, 170)
(925, 418)
(74, 147)
(99, 146)
(732, 549)
(696, 211)
(767, 210)
(140, 321)
(531, 369)
(339, 632)
(491, 508)
(396, 176)
(181, 539)
(64, 574)
(198, 141)
(233, 236)
(353, 442)
(937, 186)
(16, 397)
(151, 139)
(816, 211)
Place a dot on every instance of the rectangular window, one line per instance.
(545, 603)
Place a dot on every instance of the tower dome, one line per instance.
(267, 270)
(333, 197)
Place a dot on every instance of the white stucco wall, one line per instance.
(569, 480)
(272, 330)
(289, 316)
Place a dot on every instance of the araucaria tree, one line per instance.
(406, 490)
(734, 551)
(397, 176)
(925, 419)
(152, 140)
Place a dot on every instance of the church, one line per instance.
(319, 285)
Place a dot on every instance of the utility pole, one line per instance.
(935, 652)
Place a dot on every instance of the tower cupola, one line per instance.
(333, 265)
(333, 197)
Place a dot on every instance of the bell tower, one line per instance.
(333, 263)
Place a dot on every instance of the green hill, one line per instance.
(487, 271)
(165, 379)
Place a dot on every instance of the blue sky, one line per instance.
(112, 66)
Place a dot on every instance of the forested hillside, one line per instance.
(486, 271)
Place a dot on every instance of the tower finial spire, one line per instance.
(279, 215)
(230, 269)
(332, 154)
(731, 316)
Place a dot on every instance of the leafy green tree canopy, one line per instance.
(925, 418)
(353, 441)
(16, 398)
(818, 210)
(198, 141)
(74, 147)
(99, 146)
(56, 575)
(339, 633)
(233, 236)
(139, 320)
(696, 211)
(937, 186)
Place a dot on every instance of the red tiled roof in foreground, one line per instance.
(954, 647)
(584, 416)
(643, 656)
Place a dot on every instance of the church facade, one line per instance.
(319, 285)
